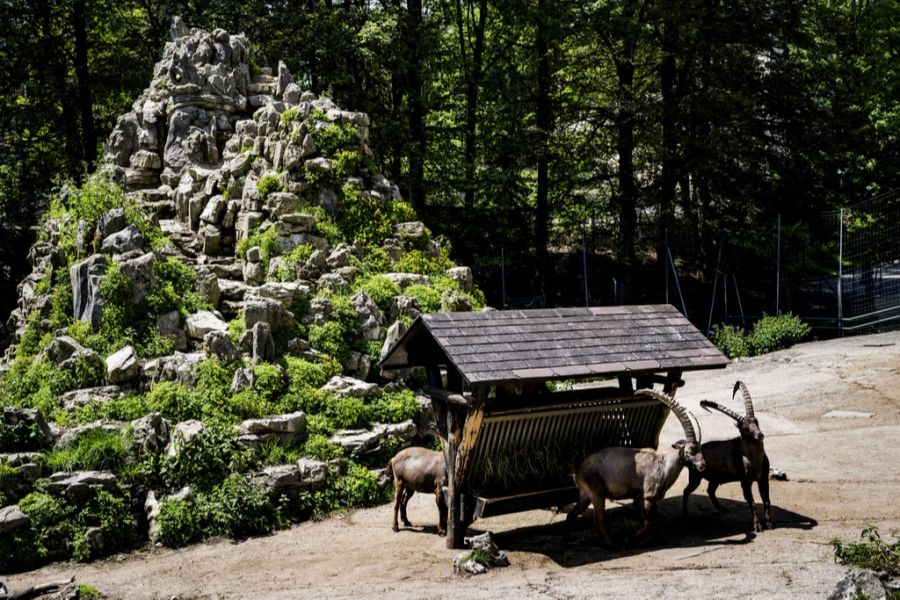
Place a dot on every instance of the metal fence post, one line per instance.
(840, 281)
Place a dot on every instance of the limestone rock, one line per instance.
(169, 326)
(414, 230)
(358, 364)
(404, 280)
(86, 300)
(864, 583)
(394, 333)
(183, 434)
(370, 317)
(313, 474)
(262, 344)
(110, 222)
(360, 441)
(202, 322)
(123, 241)
(122, 366)
(76, 399)
(12, 518)
(285, 430)
(207, 285)
(463, 278)
(266, 310)
(150, 433)
(65, 353)
(78, 486)
(178, 367)
(140, 272)
(349, 386)
(24, 429)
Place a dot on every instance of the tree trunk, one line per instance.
(544, 125)
(88, 134)
(669, 175)
(417, 140)
(472, 70)
(628, 191)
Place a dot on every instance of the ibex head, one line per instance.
(690, 446)
(747, 424)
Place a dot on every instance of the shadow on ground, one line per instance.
(706, 528)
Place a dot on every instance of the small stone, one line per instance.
(350, 386)
(202, 322)
(219, 344)
(122, 366)
(12, 518)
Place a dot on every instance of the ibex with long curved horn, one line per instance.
(739, 459)
(643, 474)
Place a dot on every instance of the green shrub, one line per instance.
(774, 333)
(731, 340)
(359, 487)
(287, 271)
(429, 299)
(380, 289)
(268, 184)
(88, 592)
(174, 401)
(94, 450)
(394, 407)
(268, 381)
(318, 447)
(289, 117)
(268, 245)
(305, 375)
(179, 523)
(870, 553)
(330, 339)
(334, 137)
(9, 481)
(347, 412)
(417, 261)
(204, 461)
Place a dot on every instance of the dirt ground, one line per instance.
(843, 475)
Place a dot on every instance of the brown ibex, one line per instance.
(418, 470)
(739, 459)
(643, 474)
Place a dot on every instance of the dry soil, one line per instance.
(843, 475)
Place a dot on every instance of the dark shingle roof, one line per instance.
(494, 347)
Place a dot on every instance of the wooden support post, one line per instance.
(672, 383)
(625, 383)
(464, 423)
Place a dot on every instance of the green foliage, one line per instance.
(731, 340)
(37, 384)
(418, 261)
(287, 271)
(347, 412)
(333, 137)
(9, 479)
(359, 487)
(305, 375)
(268, 183)
(367, 219)
(394, 407)
(330, 339)
(774, 333)
(768, 334)
(268, 245)
(429, 299)
(174, 401)
(179, 523)
(94, 450)
(88, 592)
(289, 117)
(204, 461)
(318, 447)
(870, 553)
(380, 289)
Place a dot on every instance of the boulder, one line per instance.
(340, 256)
(202, 322)
(414, 230)
(126, 240)
(24, 429)
(313, 473)
(404, 280)
(122, 366)
(262, 344)
(79, 486)
(207, 285)
(284, 430)
(65, 353)
(865, 583)
(219, 344)
(463, 278)
(110, 222)
(150, 433)
(76, 399)
(169, 326)
(358, 364)
(394, 333)
(253, 272)
(484, 555)
(333, 283)
(69, 437)
(361, 441)
(183, 434)
(139, 272)
(87, 305)
(266, 310)
(279, 480)
(178, 367)
(214, 210)
(287, 292)
(349, 386)
(370, 318)
(12, 518)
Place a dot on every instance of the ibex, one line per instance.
(643, 474)
(418, 470)
(739, 459)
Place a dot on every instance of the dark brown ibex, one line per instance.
(419, 470)
(643, 474)
(739, 459)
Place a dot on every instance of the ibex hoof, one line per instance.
(442, 533)
(395, 528)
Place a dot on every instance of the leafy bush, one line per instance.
(429, 299)
(870, 553)
(768, 334)
(394, 407)
(268, 245)
(204, 461)
(731, 340)
(774, 333)
(380, 289)
(179, 523)
(359, 487)
(94, 450)
(318, 447)
(174, 401)
(347, 412)
(268, 184)
(368, 219)
(9, 480)
(289, 117)
(330, 339)
(334, 137)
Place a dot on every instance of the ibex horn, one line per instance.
(676, 408)
(748, 403)
(707, 404)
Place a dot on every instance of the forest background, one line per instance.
(544, 135)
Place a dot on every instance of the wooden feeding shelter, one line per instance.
(511, 443)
